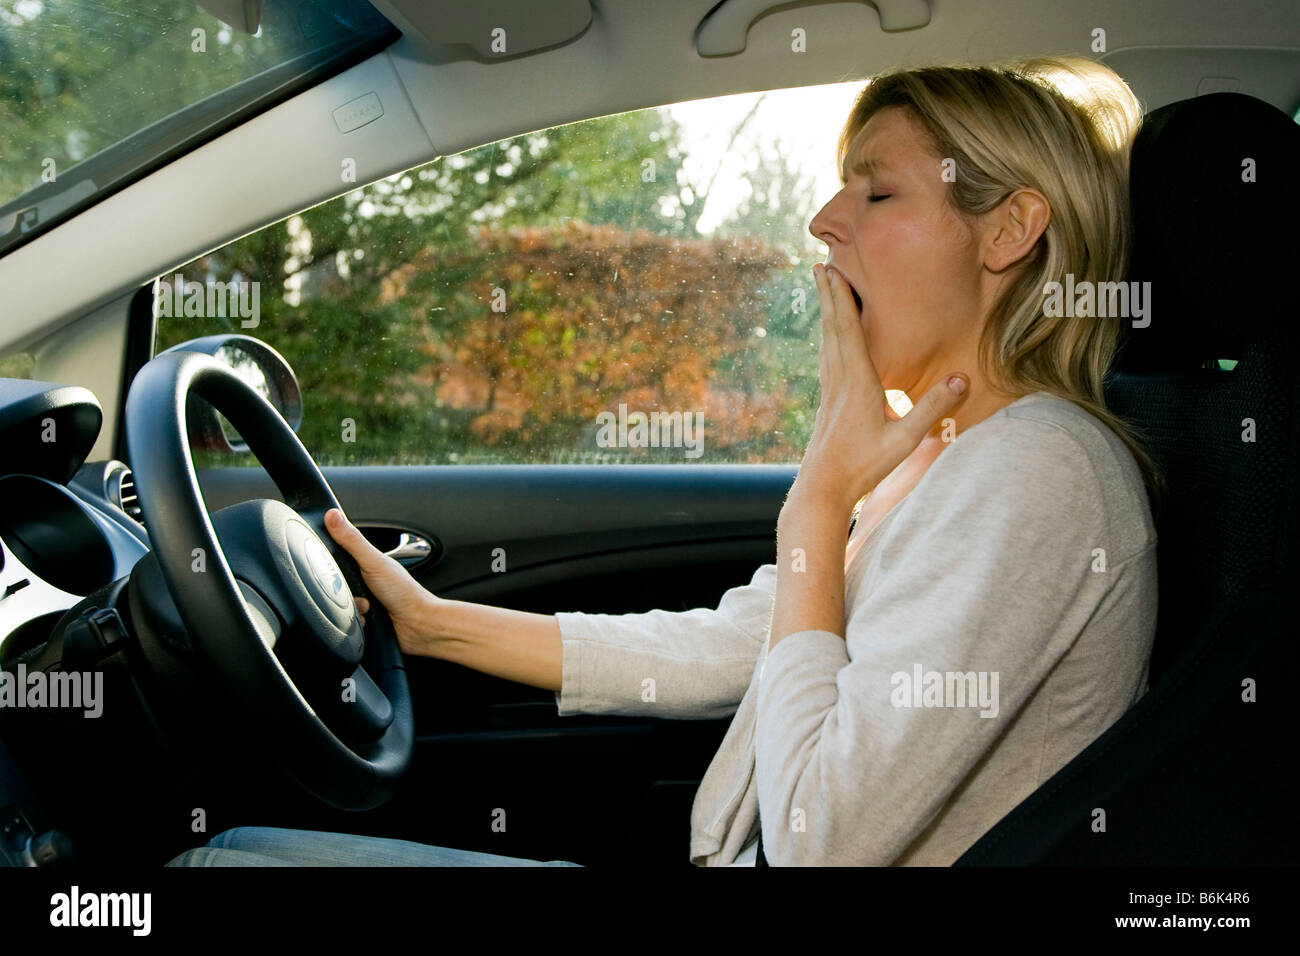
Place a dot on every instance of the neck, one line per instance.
(981, 401)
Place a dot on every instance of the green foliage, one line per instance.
(382, 300)
(80, 77)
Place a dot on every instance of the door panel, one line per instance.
(610, 539)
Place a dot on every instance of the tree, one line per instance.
(592, 317)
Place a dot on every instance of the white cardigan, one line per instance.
(1022, 565)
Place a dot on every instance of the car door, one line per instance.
(612, 539)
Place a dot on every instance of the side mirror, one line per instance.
(257, 364)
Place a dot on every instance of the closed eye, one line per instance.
(878, 197)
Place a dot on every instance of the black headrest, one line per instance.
(1219, 250)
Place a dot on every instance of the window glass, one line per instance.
(94, 92)
(17, 365)
(634, 288)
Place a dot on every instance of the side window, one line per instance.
(635, 288)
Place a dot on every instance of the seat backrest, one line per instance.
(1205, 768)
(1215, 184)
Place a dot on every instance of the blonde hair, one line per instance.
(1063, 126)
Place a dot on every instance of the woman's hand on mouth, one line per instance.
(857, 438)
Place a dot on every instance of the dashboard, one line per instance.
(68, 528)
(95, 659)
(70, 535)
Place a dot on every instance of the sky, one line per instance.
(805, 122)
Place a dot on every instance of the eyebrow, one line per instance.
(865, 166)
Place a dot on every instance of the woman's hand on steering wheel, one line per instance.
(410, 606)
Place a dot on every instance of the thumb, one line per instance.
(353, 541)
(934, 405)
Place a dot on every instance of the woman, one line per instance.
(994, 609)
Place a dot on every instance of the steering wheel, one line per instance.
(342, 725)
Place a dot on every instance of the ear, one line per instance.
(1014, 227)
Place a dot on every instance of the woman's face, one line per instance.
(913, 262)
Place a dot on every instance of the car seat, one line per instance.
(1204, 769)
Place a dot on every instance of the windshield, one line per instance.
(96, 93)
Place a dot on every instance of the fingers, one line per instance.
(933, 407)
(828, 345)
(852, 341)
(367, 556)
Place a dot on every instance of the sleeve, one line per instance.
(989, 580)
(692, 664)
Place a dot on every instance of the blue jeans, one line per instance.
(270, 846)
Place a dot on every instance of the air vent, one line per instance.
(123, 493)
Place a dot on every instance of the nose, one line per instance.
(827, 226)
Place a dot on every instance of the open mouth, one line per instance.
(853, 290)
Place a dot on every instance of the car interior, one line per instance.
(104, 501)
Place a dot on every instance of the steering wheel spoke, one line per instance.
(360, 711)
